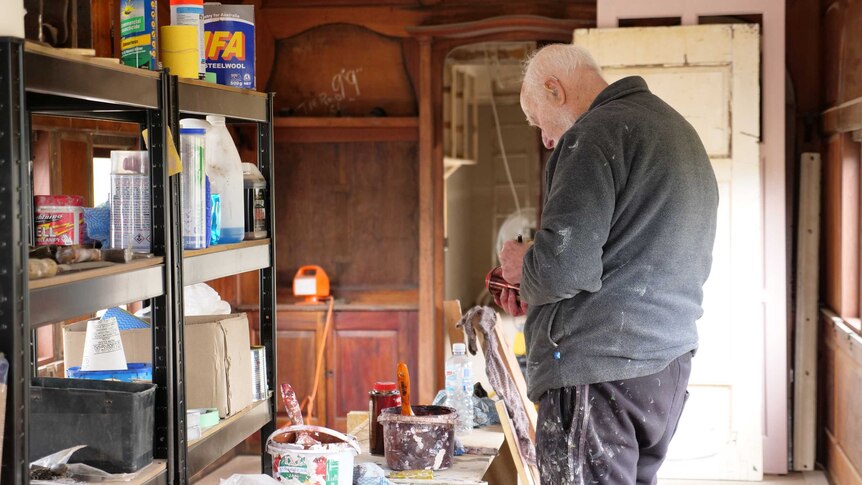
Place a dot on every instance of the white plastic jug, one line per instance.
(224, 168)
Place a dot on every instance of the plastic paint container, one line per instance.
(59, 220)
(425, 441)
(330, 463)
(135, 372)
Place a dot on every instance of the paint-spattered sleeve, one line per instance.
(566, 257)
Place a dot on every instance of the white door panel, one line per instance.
(710, 74)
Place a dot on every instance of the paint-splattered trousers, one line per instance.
(611, 433)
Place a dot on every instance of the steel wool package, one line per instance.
(229, 39)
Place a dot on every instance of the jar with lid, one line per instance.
(383, 395)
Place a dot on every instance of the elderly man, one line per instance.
(612, 284)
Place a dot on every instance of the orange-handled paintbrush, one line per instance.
(404, 385)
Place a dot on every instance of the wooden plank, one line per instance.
(511, 363)
(324, 122)
(843, 118)
(95, 273)
(521, 464)
(427, 372)
(451, 317)
(292, 134)
(805, 370)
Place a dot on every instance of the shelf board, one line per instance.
(204, 98)
(221, 438)
(156, 473)
(74, 294)
(54, 72)
(224, 260)
(346, 129)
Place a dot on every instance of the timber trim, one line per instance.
(845, 117)
(542, 27)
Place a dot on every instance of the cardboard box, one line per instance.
(137, 344)
(218, 363)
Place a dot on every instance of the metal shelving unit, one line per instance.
(35, 79)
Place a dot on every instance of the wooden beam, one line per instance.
(348, 129)
(805, 370)
(427, 371)
(843, 118)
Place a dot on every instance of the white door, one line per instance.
(710, 74)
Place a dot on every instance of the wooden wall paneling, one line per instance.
(42, 145)
(352, 209)
(73, 166)
(832, 22)
(366, 347)
(851, 58)
(850, 203)
(831, 228)
(105, 34)
(347, 70)
(299, 335)
(843, 372)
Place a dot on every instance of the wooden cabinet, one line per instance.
(363, 347)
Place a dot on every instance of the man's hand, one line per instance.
(508, 300)
(512, 261)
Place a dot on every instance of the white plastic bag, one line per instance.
(249, 480)
(201, 299)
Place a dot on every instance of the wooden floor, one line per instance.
(251, 464)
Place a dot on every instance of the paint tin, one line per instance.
(425, 441)
(229, 44)
(330, 463)
(59, 220)
(138, 33)
(258, 373)
(382, 396)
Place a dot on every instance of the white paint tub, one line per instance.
(329, 463)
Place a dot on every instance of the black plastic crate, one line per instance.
(114, 419)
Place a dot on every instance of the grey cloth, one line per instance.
(613, 433)
(615, 275)
(485, 318)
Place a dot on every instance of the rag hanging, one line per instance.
(485, 319)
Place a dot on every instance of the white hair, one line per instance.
(560, 60)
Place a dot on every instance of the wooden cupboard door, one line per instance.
(298, 336)
(365, 347)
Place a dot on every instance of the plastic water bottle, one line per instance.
(459, 387)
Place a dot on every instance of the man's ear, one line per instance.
(555, 91)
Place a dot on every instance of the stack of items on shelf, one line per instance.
(71, 237)
(109, 365)
(222, 197)
(208, 41)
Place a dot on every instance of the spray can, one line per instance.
(138, 33)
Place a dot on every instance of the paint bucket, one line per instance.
(258, 373)
(425, 441)
(329, 463)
